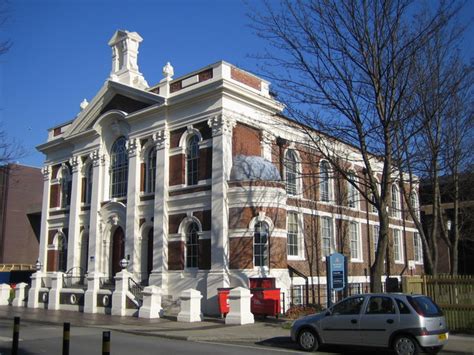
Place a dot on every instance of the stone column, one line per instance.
(33, 293)
(55, 291)
(4, 294)
(132, 230)
(74, 208)
(158, 275)
(20, 295)
(239, 307)
(44, 218)
(221, 165)
(267, 139)
(190, 306)
(93, 273)
(151, 307)
(119, 297)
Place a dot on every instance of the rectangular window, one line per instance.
(297, 296)
(397, 246)
(292, 238)
(327, 235)
(418, 248)
(375, 237)
(355, 241)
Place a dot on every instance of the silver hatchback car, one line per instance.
(405, 323)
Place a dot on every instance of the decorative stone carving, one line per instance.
(83, 104)
(113, 220)
(46, 172)
(221, 124)
(75, 162)
(168, 72)
(161, 139)
(97, 157)
(132, 147)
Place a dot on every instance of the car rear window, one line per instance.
(425, 307)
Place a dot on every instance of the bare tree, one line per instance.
(343, 69)
(9, 149)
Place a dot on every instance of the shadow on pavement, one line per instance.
(6, 350)
(286, 343)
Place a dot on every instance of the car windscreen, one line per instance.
(425, 307)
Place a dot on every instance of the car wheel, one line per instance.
(307, 340)
(405, 345)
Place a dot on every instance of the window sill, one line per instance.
(357, 261)
(399, 262)
(295, 257)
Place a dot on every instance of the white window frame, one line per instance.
(417, 248)
(329, 183)
(332, 239)
(398, 246)
(375, 237)
(395, 203)
(352, 192)
(355, 237)
(299, 236)
(293, 189)
(265, 254)
(150, 174)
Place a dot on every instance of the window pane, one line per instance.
(192, 245)
(291, 172)
(292, 238)
(324, 186)
(151, 170)
(261, 244)
(192, 160)
(380, 305)
(354, 235)
(119, 168)
(327, 235)
(350, 306)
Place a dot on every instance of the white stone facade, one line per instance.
(120, 182)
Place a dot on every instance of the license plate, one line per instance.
(443, 336)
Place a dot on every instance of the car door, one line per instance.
(341, 324)
(379, 319)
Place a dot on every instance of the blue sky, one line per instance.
(60, 54)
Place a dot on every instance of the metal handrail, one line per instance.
(135, 289)
(106, 283)
(73, 279)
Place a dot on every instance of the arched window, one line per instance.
(260, 245)
(192, 245)
(325, 186)
(84, 250)
(352, 193)
(65, 182)
(291, 172)
(395, 201)
(192, 159)
(414, 202)
(88, 184)
(151, 170)
(62, 253)
(118, 168)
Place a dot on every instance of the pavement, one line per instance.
(210, 329)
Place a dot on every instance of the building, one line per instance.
(183, 180)
(20, 215)
(465, 220)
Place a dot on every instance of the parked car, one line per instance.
(405, 323)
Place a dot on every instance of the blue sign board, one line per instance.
(336, 270)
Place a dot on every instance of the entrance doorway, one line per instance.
(118, 250)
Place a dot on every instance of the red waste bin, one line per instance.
(262, 282)
(223, 299)
(265, 302)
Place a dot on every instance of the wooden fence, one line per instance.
(454, 294)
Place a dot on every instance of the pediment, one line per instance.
(112, 96)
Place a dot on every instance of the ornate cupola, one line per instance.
(124, 59)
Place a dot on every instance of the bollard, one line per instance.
(16, 335)
(66, 334)
(105, 343)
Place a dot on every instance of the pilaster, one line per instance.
(94, 231)
(132, 232)
(158, 276)
(74, 209)
(221, 165)
(44, 217)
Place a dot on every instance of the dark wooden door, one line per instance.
(149, 267)
(118, 250)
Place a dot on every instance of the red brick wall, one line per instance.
(177, 170)
(245, 78)
(205, 219)
(240, 217)
(174, 221)
(278, 253)
(204, 254)
(176, 255)
(54, 199)
(52, 260)
(246, 140)
(241, 253)
(205, 163)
